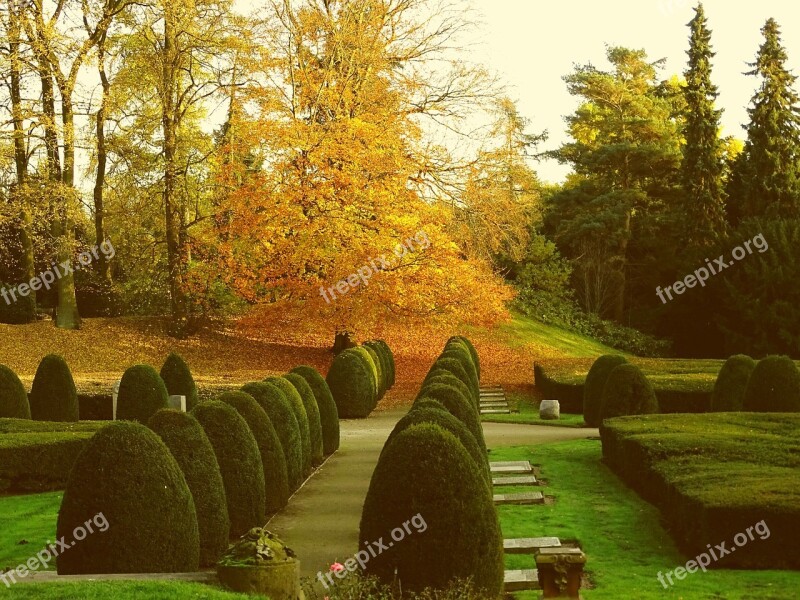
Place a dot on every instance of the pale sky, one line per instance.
(532, 44)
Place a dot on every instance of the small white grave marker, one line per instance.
(114, 394)
(178, 402)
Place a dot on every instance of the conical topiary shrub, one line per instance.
(328, 415)
(459, 352)
(53, 396)
(128, 486)
(774, 386)
(627, 392)
(189, 445)
(141, 394)
(351, 384)
(13, 397)
(280, 413)
(473, 352)
(731, 384)
(276, 479)
(447, 378)
(456, 368)
(296, 402)
(239, 462)
(594, 385)
(178, 379)
(312, 412)
(426, 479)
(458, 405)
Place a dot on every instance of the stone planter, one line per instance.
(560, 572)
(549, 410)
(277, 581)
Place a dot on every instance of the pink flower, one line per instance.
(337, 567)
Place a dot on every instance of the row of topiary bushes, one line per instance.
(434, 464)
(359, 377)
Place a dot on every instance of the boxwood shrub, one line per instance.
(459, 351)
(594, 385)
(178, 379)
(53, 396)
(774, 386)
(151, 527)
(373, 369)
(473, 352)
(352, 385)
(141, 394)
(379, 353)
(387, 351)
(731, 384)
(458, 405)
(296, 402)
(456, 368)
(189, 445)
(13, 397)
(239, 462)
(381, 380)
(447, 378)
(281, 414)
(312, 412)
(328, 415)
(627, 392)
(426, 474)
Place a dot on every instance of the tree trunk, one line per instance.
(342, 341)
(101, 265)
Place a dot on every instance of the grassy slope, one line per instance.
(626, 546)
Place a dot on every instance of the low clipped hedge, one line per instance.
(595, 383)
(731, 384)
(276, 479)
(239, 462)
(774, 386)
(296, 402)
(627, 392)
(13, 398)
(426, 478)
(447, 378)
(141, 394)
(328, 414)
(568, 394)
(189, 445)
(312, 412)
(456, 368)
(352, 385)
(178, 379)
(53, 396)
(710, 486)
(150, 527)
(459, 351)
(281, 414)
(471, 348)
(458, 405)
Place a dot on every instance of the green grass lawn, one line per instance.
(524, 330)
(120, 590)
(29, 522)
(526, 405)
(626, 546)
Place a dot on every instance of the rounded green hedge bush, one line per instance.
(312, 412)
(328, 415)
(376, 360)
(458, 405)
(471, 348)
(379, 353)
(731, 384)
(352, 385)
(594, 385)
(281, 414)
(127, 483)
(178, 379)
(373, 369)
(189, 445)
(53, 396)
(13, 397)
(296, 402)
(461, 354)
(774, 386)
(425, 476)
(447, 378)
(141, 394)
(239, 462)
(455, 367)
(276, 477)
(627, 392)
(387, 351)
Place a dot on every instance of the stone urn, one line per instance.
(259, 563)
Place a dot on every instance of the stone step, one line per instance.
(494, 405)
(492, 395)
(522, 580)
(519, 498)
(529, 545)
(491, 387)
(525, 480)
(495, 411)
(511, 467)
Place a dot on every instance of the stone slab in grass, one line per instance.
(511, 467)
(495, 411)
(521, 580)
(207, 577)
(524, 480)
(529, 545)
(519, 498)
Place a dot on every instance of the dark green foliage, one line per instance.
(376, 360)
(457, 404)
(189, 445)
(328, 415)
(296, 402)
(178, 379)
(774, 386)
(627, 392)
(594, 385)
(447, 378)
(127, 475)
(462, 355)
(470, 348)
(351, 383)
(13, 397)
(53, 396)
(312, 412)
(426, 473)
(141, 393)
(276, 478)
(281, 414)
(731, 384)
(378, 352)
(372, 367)
(239, 462)
(390, 360)
(19, 312)
(456, 368)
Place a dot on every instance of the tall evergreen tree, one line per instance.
(702, 168)
(766, 178)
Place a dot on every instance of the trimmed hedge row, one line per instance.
(359, 377)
